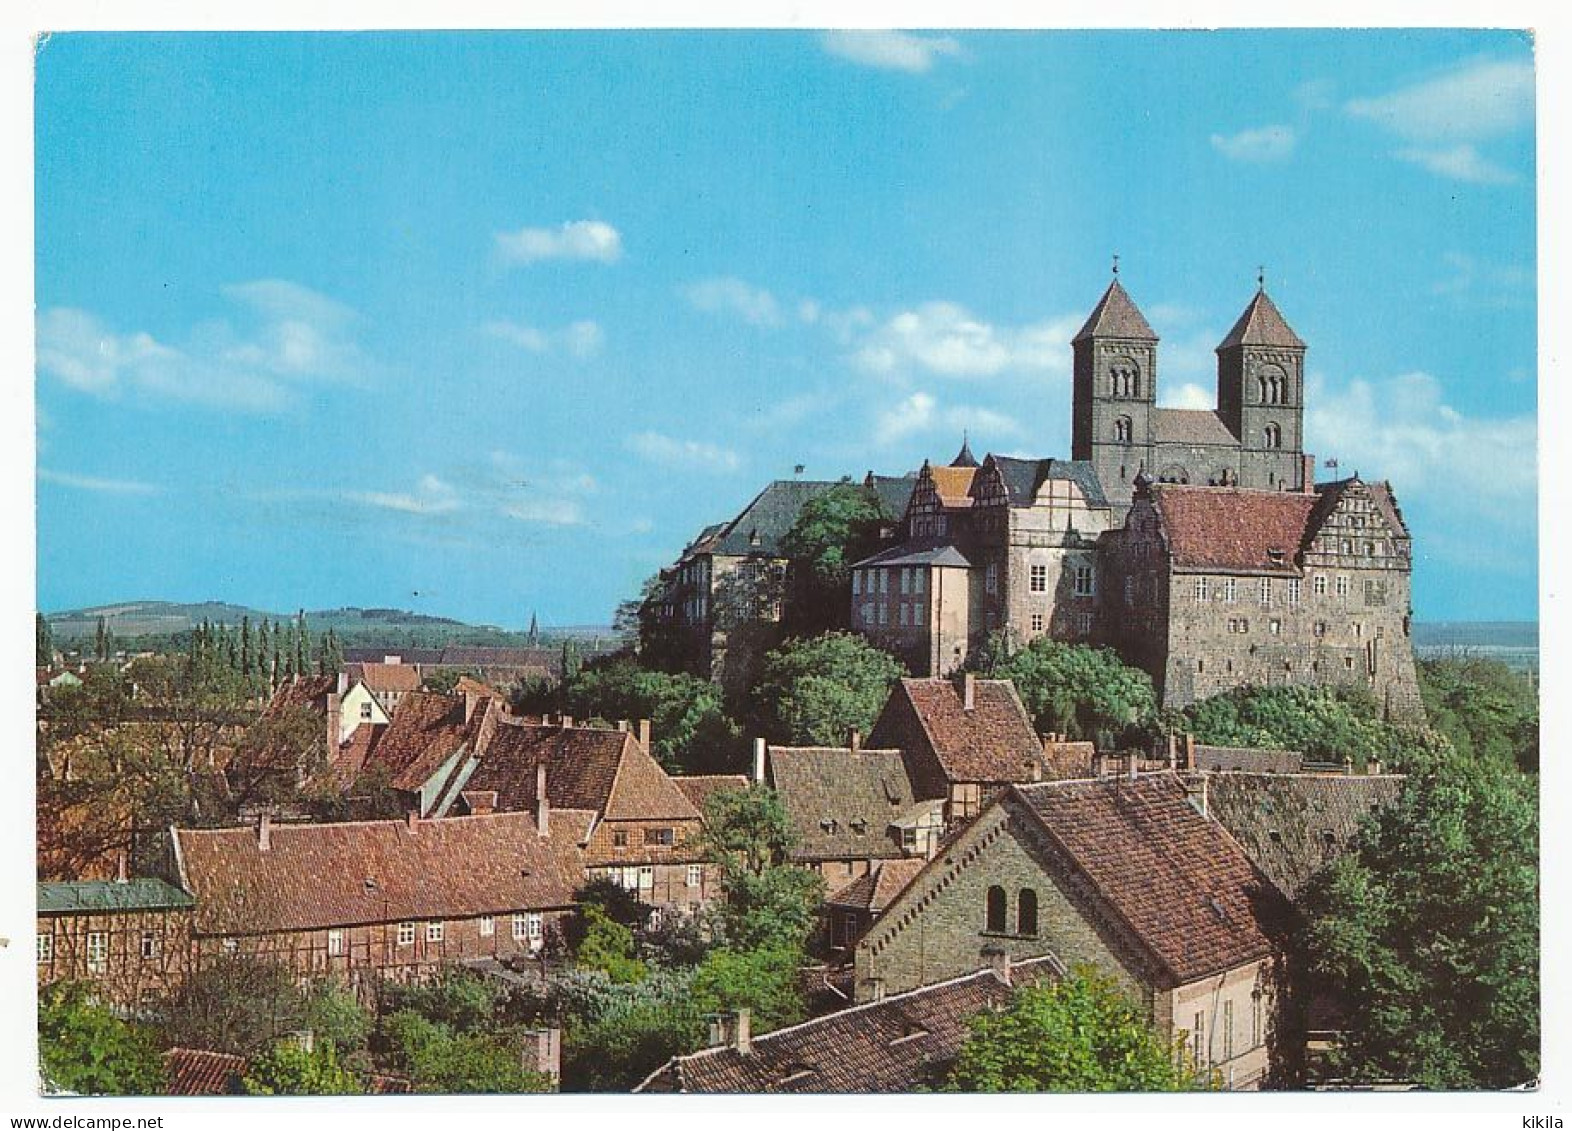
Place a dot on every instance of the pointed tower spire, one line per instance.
(1262, 324)
(964, 457)
(1116, 316)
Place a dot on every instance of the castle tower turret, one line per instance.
(1260, 395)
(1115, 393)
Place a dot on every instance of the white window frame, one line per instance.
(335, 943)
(918, 615)
(152, 946)
(488, 926)
(231, 946)
(1293, 591)
(1037, 622)
(1230, 590)
(1039, 578)
(695, 876)
(46, 947)
(1085, 581)
(1342, 585)
(1203, 590)
(919, 580)
(520, 931)
(406, 933)
(97, 952)
(647, 877)
(534, 928)
(1266, 592)
(1320, 585)
(435, 930)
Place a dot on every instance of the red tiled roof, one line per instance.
(469, 685)
(385, 677)
(1176, 880)
(1231, 528)
(993, 742)
(202, 1072)
(875, 890)
(699, 788)
(426, 729)
(315, 876)
(1262, 324)
(901, 1043)
(954, 485)
(1116, 316)
(353, 753)
(1192, 426)
(310, 691)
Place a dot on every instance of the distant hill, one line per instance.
(1481, 633)
(354, 626)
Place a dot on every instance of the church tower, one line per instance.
(1260, 395)
(1113, 421)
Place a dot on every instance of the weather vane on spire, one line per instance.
(1116, 264)
(1260, 277)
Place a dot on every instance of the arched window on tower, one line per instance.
(1274, 436)
(1260, 387)
(1026, 913)
(997, 912)
(1124, 431)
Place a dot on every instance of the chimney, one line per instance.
(644, 734)
(999, 961)
(855, 740)
(265, 832)
(969, 692)
(122, 873)
(542, 1051)
(392, 659)
(343, 682)
(759, 747)
(624, 726)
(1189, 751)
(733, 1030)
(1307, 473)
(412, 819)
(1373, 767)
(470, 701)
(1348, 765)
(875, 989)
(542, 805)
(1135, 763)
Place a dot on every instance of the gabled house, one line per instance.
(129, 938)
(1126, 874)
(387, 683)
(388, 897)
(849, 911)
(960, 744)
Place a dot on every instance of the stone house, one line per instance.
(904, 1042)
(960, 744)
(394, 898)
(1213, 588)
(1125, 874)
(849, 911)
(129, 938)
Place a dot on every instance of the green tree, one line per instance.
(1428, 932)
(334, 1014)
(833, 531)
(236, 1004)
(1071, 688)
(615, 1035)
(763, 980)
(103, 640)
(1485, 708)
(1083, 1034)
(746, 830)
(247, 655)
(443, 1060)
(769, 903)
(457, 999)
(814, 691)
(607, 946)
(43, 641)
(84, 1048)
(287, 1069)
(691, 730)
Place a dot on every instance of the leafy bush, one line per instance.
(1071, 688)
(814, 691)
(84, 1048)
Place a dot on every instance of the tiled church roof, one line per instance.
(1116, 316)
(1262, 324)
(1193, 426)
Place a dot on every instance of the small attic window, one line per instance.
(1275, 555)
(1217, 909)
(860, 827)
(1274, 836)
(754, 539)
(829, 824)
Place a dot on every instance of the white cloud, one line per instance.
(590, 240)
(665, 450)
(734, 296)
(1402, 429)
(1491, 284)
(91, 483)
(289, 336)
(944, 338)
(891, 50)
(1188, 395)
(1458, 162)
(1267, 143)
(581, 339)
(1482, 99)
(546, 512)
(921, 413)
(431, 496)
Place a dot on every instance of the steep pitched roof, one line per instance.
(1293, 824)
(1192, 426)
(765, 521)
(1262, 324)
(894, 492)
(898, 1044)
(841, 804)
(308, 691)
(1022, 478)
(875, 891)
(1116, 316)
(699, 788)
(1174, 879)
(953, 484)
(379, 677)
(1330, 495)
(993, 742)
(1231, 528)
(425, 731)
(315, 876)
(964, 457)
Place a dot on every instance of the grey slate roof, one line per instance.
(1022, 478)
(1192, 426)
(1262, 324)
(1292, 824)
(106, 895)
(895, 493)
(1116, 316)
(765, 521)
(841, 804)
(898, 1044)
(919, 551)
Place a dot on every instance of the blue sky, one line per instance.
(485, 324)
